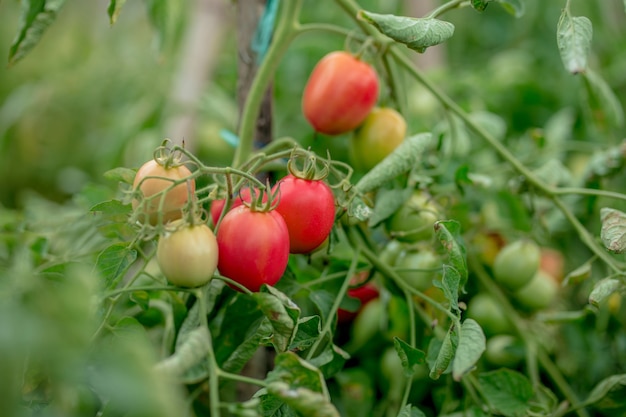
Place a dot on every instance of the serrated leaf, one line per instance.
(472, 344)
(515, 7)
(603, 99)
(114, 9)
(573, 38)
(114, 261)
(36, 17)
(610, 393)
(613, 232)
(410, 357)
(507, 391)
(440, 361)
(406, 156)
(308, 331)
(125, 175)
(282, 313)
(415, 32)
(449, 234)
(603, 289)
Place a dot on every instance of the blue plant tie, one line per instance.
(265, 28)
(229, 137)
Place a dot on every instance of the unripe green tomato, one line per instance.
(418, 268)
(367, 324)
(504, 350)
(414, 220)
(381, 132)
(188, 256)
(516, 264)
(539, 293)
(487, 312)
(391, 368)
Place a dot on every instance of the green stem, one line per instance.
(412, 342)
(446, 7)
(214, 396)
(589, 191)
(286, 30)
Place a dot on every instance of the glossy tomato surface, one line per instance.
(253, 247)
(340, 93)
(173, 200)
(217, 206)
(308, 207)
(188, 255)
(381, 132)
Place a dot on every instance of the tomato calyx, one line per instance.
(313, 169)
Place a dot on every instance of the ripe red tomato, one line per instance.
(188, 256)
(308, 207)
(340, 93)
(381, 132)
(217, 206)
(174, 200)
(253, 247)
(365, 293)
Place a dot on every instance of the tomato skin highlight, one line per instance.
(175, 199)
(253, 247)
(339, 93)
(380, 133)
(188, 256)
(308, 207)
(217, 206)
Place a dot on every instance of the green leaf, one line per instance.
(388, 201)
(411, 411)
(450, 284)
(124, 175)
(480, 5)
(141, 298)
(508, 392)
(114, 261)
(609, 394)
(472, 344)
(114, 9)
(191, 352)
(515, 7)
(406, 156)
(282, 313)
(440, 353)
(607, 107)
(410, 357)
(166, 17)
(573, 38)
(449, 234)
(111, 207)
(603, 289)
(331, 360)
(356, 388)
(303, 400)
(308, 331)
(36, 17)
(613, 232)
(415, 32)
(578, 275)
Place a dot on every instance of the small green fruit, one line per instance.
(516, 264)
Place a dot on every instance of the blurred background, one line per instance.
(92, 96)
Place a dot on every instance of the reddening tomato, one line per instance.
(340, 93)
(380, 133)
(253, 247)
(188, 255)
(217, 206)
(308, 207)
(174, 199)
(516, 264)
(553, 263)
(419, 268)
(414, 220)
(365, 294)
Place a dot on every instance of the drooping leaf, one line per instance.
(450, 284)
(402, 159)
(472, 344)
(111, 208)
(409, 356)
(114, 9)
(192, 351)
(282, 313)
(613, 232)
(609, 394)
(415, 32)
(114, 261)
(603, 289)
(602, 99)
(441, 353)
(36, 17)
(449, 234)
(507, 391)
(573, 38)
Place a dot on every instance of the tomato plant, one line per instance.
(152, 180)
(253, 247)
(340, 93)
(188, 255)
(308, 207)
(380, 133)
